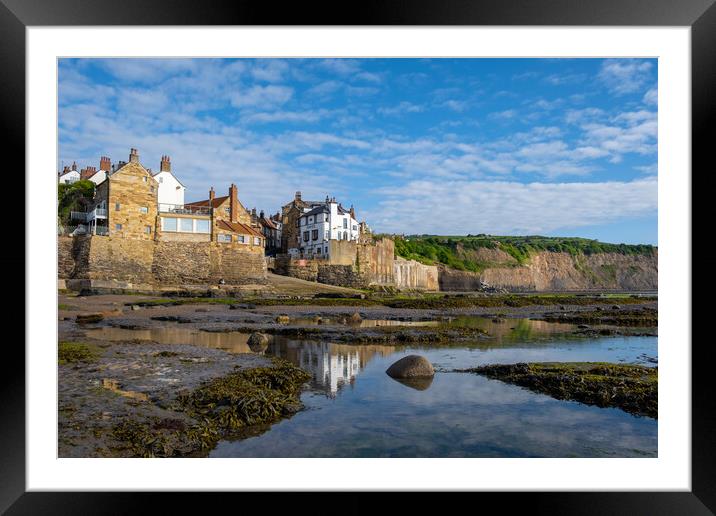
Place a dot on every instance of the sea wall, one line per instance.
(157, 263)
(409, 274)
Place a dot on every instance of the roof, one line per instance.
(215, 203)
(315, 211)
(68, 172)
(237, 227)
(171, 174)
(268, 223)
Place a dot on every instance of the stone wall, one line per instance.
(342, 252)
(343, 276)
(409, 274)
(157, 263)
(376, 259)
(65, 259)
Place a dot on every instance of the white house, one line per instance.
(69, 174)
(171, 190)
(319, 225)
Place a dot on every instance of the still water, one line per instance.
(353, 409)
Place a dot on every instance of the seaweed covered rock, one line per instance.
(412, 366)
(258, 341)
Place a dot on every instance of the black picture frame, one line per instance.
(700, 15)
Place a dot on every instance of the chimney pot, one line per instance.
(165, 164)
(211, 193)
(133, 156)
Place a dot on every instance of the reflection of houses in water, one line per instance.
(329, 370)
(332, 365)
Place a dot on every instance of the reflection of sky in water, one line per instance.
(354, 409)
(459, 415)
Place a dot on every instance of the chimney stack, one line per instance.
(234, 202)
(74, 166)
(88, 172)
(165, 165)
(298, 196)
(253, 216)
(353, 212)
(133, 156)
(66, 169)
(261, 214)
(211, 194)
(105, 164)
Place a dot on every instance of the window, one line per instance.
(345, 235)
(345, 223)
(221, 237)
(305, 236)
(326, 217)
(202, 226)
(326, 250)
(118, 227)
(314, 234)
(148, 230)
(161, 179)
(355, 228)
(241, 239)
(318, 251)
(310, 220)
(186, 225)
(257, 241)
(169, 224)
(145, 179)
(143, 209)
(303, 222)
(327, 236)
(339, 235)
(116, 206)
(227, 210)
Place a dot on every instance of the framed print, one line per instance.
(426, 247)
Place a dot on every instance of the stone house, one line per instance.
(290, 213)
(230, 221)
(271, 229)
(125, 204)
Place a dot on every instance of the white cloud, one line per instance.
(651, 97)
(510, 207)
(402, 108)
(508, 114)
(262, 97)
(624, 76)
(286, 116)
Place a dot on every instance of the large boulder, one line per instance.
(355, 318)
(258, 342)
(412, 366)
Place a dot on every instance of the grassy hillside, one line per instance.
(457, 252)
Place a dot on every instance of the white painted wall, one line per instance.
(337, 227)
(171, 191)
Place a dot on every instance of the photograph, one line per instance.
(357, 257)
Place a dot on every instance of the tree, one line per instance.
(75, 196)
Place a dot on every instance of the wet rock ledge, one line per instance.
(631, 388)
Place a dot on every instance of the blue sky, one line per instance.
(442, 146)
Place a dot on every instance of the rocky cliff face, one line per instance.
(547, 271)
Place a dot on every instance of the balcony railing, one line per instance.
(89, 216)
(184, 209)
